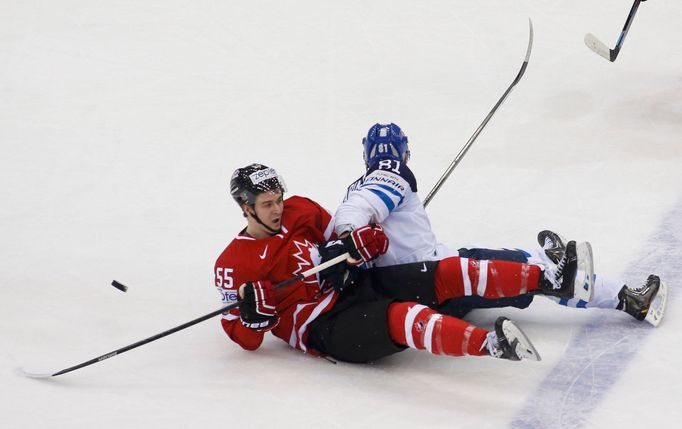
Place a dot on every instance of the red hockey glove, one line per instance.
(257, 309)
(366, 243)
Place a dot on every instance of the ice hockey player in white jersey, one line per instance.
(387, 194)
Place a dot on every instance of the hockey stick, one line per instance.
(600, 48)
(468, 144)
(301, 276)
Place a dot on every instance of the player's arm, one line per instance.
(362, 244)
(383, 190)
(226, 282)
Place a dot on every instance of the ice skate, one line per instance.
(646, 302)
(508, 341)
(573, 275)
(552, 244)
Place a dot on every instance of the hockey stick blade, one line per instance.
(599, 47)
(32, 374)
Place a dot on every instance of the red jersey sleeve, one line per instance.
(231, 270)
(247, 338)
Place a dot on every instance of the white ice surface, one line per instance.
(120, 123)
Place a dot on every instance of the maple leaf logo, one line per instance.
(303, 258)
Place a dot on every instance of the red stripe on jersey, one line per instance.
(295, 329)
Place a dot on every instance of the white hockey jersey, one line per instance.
(390, 188)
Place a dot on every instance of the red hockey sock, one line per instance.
(420, 327)
(488, 279)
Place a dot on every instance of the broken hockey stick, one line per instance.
(301, 276)
(600, 48)
(468, 144)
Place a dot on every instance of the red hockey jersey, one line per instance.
(277, 258)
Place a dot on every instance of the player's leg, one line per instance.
(419, 327)
(356, 329)
(512, 255)
(416, 283)
(458, 277)
(432, 283)
(364, 326)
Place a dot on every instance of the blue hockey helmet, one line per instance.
(385, 142)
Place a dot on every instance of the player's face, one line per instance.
(269, 208)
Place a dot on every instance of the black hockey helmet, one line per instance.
(247, 182)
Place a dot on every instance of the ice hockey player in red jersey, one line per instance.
(354, 321)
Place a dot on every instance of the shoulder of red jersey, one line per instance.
(305, 208)
(239, 262)
(243, 259)
(303, 202)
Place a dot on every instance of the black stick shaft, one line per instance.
(147, 340)
(624, 32)
(473, 138)
(117, 352)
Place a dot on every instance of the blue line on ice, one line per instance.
(603, 348)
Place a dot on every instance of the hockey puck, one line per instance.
(119, 286)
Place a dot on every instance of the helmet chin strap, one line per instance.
(252, 213)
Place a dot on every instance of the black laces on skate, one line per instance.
(560, 270)
(642, 290)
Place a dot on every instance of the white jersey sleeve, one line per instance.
(387, 194)
(374, 196)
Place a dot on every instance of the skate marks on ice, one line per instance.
(601, 350)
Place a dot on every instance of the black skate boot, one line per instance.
(560, 282)
(636, 302)
(508, 341)
(552, 244)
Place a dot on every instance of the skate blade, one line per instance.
(584, 278)
(524, 348)
(657, 308)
